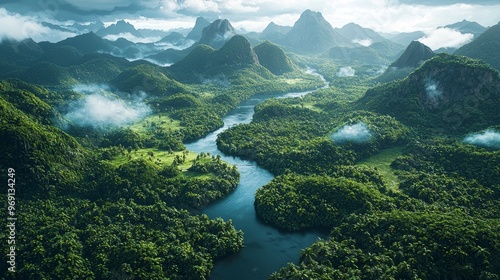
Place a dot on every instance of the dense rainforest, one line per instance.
(401, 171)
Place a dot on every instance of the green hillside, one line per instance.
(273, 58)
(485, 47)
(47, 159)
(449, 94)
(236, 59)
(147, 78)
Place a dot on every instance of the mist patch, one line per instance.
(356, 133)
(347, 71)
(488, 138)
(101, 109)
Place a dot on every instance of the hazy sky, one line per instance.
(19, 17)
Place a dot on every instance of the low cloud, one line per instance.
(488, 138)
(132, 38)
(347, 71)
(356, 133)
(178, 46)
(17, 27)
(363, 42)
(102, 109)
(445, 38)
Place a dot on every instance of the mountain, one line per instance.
(56, 27)
(405, 38)
(119, 27)
(311, 33)
(47, 158)
(369, 48)
(62, 56)
(485, 47)
(414, 55)
(205, 61)
(147, 78)
(85, 43)
(67, 70)
(237, 52)
(468, 27)
(92, 27)
(273, 58)
(14, 55)
(356, 56)
(174, 38)
(195, 33)
(217, 33)
(274, 32)
(447, 94)
(360, 35)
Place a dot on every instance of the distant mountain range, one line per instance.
(118, 28)
(466, 26)
(311, 34)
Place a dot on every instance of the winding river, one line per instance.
(266, 248)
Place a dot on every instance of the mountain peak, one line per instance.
(217, 33)
(311, 16)
(311, 33)
(274, 31)
(466, 26)
(195, 33)
(414, 55)
(238, 50)
(360, 35)
(117, 28)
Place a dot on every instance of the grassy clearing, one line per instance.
(162, 158)
(382, 161)
(294, 81)
(161, 121)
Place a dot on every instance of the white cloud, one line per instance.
(191, 6)
(109, 5)
(357, 133)
(18, 27)
(132, 38)
(363, 42)
(97, 109)
(488, 138)
(445, 38)
(346, 71)
(162, 24)
(254, 15)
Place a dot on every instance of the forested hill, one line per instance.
(448, 93)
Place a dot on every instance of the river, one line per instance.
(266, 248)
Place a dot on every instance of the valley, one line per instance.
(299, 152)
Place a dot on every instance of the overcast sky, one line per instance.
(19, 17)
